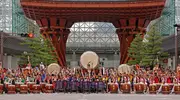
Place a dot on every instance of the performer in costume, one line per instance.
(156, 79)
(163, 82)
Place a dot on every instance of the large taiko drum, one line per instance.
(36, 89)
(23, 89)
(177, 89)
(11, 89)
(17, 85)
(165, 89)
(152, 89)
(1, 88)
(124, 68)
(49, 88)
(113, 88)
(53, 69)
(43, 86)
(30, 86)
(89, 60)
(6, 84)
(125, 87)
(139, 87)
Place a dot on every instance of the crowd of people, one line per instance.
(94, 80)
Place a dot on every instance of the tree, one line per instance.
(152, 51)
(41, 51)
(134, 51)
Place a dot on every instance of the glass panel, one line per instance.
(165, 24)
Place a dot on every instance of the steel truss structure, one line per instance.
(97, 36)
(21, 24)
(6, 15)
(12, 19)
(177, 5)
(165, 24)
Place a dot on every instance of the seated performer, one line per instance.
(169, 79)
(164, 81)
(126, 79)
(156, 79)
(156, 68)
(175, 81)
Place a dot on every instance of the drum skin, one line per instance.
(23, 89)
(36, 89)
(53, 69)
(49, 88)
(139, 88)
(11, 89)
(1, 88)
(113, 88)
(166, 89)
(152, 89)
(177, 89)
(89, 58)
(126, 88)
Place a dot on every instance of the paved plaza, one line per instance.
(61, 96)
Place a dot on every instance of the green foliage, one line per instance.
(152, 51)
(41, 51)
(147, 52)
(134, 51)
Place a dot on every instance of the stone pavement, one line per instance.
(73, 96)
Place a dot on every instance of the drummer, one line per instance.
(142, 80)
(125, 78)
(156, 79)
(175, 82)
(164, 81)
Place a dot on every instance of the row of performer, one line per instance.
(65, 86)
